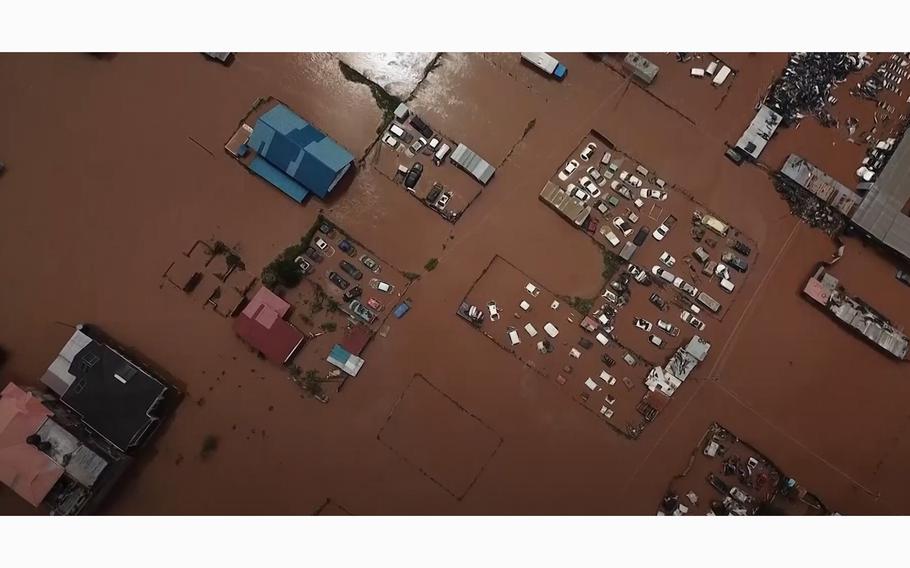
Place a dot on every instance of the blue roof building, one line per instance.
(295, 156)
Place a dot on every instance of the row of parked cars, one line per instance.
(321, 249)
(628, 184)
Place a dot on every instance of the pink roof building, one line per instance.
(23, 468)
(261, 325)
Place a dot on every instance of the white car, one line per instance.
(494, 310)
(385, 287)
(685, 286)
(567, 171)
(727, 286)
(590, 186)
(642, 324)
(620, 224)
(722, 271)
(443, 201)
(612, 238)
(656, 341)
(664, 275)
(624, 175)
(321, 244)
(638, 203)
(633, 216)
(597, 177)
(579, 193)
(668, 327)
(588, 151)
(660, 232)
(647, 193)
(667, 259)
(606, 158)
(634, 181)
(692, 320)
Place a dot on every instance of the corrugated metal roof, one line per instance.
(298, 149)
(760, 130)
(881, 213)
(472, 163)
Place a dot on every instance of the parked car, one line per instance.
(685, 286)
(442, 201)
(313, 255)
(370, 263)
(656, 341)
(701, 255)
(661, 232)
(620, 224)
(588, 151)
(658, 301)
(418, 145)
(642, 324)
(657, 194)
(352, 294)
(722, 271)
(579, 193)
(326, 229)
(567, 171)
(903, 276)
(668, 327)
(667, 259)
(351, 270)
(337, 280)
(346, 247)
(494, 310)
(640, 236)
(434, 194)
(362, 311)
(303, 264)
(605, 159)
(321, 244)
(634, 181)
(410, 180)
(692, 320)
(377, 284)
(596, 176)
(735, 261)
(664, 275)
(727, 285)
(590, 186)
(374, 304)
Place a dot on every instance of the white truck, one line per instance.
(546, 63)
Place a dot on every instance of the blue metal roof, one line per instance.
(279, 179)
(299, 150)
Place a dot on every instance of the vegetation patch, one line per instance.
(329, 326)
(283, 270)
(412, 276)
(209, 446)
(431, 264)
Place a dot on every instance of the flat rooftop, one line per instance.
(882, 213)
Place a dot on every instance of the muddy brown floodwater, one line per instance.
(104, 185)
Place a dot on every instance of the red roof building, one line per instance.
(261, 325)
(23, 468)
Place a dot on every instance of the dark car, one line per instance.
(641, 236)
(658, 301)
(351, 270)
(326, 229)
(607, 360)
(735, 261)
(337, 280)
(313, 255)
(903, 276)
(742, 248)
(434, 193)
(422, 127)
(410, 180)
(347, 248)
(352, 294)
(370, 263)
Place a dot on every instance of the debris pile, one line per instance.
(888, 75)
(807, 83)
(809, 208)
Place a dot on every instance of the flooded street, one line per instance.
(114, 165)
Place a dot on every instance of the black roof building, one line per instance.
(115, 396)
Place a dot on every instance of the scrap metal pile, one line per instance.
(807, 84)
(810, 208)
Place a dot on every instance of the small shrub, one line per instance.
(431, 264)
(209, 445)
(412, 276)
(329, 326)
